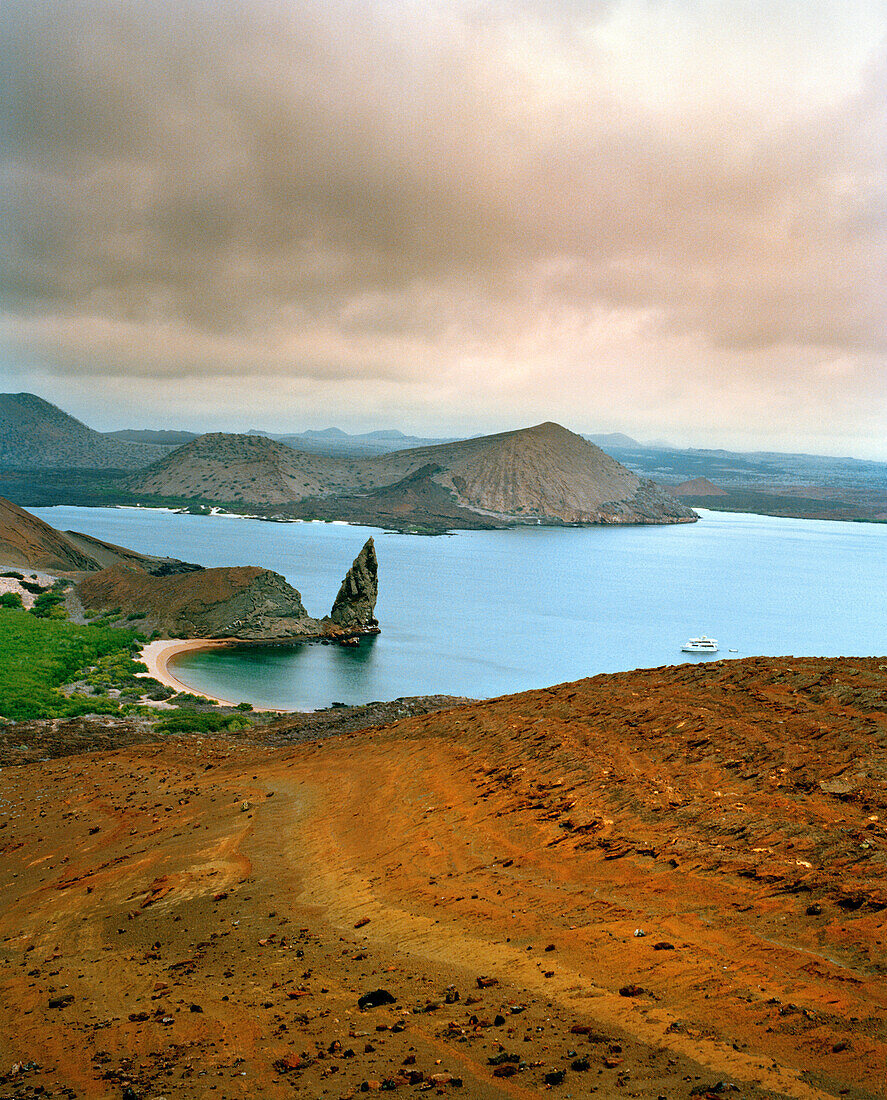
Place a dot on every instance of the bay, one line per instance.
(482, 613)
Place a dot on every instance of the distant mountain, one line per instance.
(338, 443)
(543, 474)
(144, 435)
(698, 487)
(36, 434)
(335, 442)
(325, 433)
(612, 439)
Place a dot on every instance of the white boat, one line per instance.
(700, 645)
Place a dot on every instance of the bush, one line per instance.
(11, 599)
(12, 573)
(185, 699)
(49, 604)
(188, 722)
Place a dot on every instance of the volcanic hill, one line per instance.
(543, 474)
(35, 434)
(660, 883)
(28, 542)
(698, 487)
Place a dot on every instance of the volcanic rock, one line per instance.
(356, 601)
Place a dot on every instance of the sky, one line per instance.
(662, 217)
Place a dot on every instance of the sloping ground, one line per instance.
(35, 434)
(187, 916)
(27, 541)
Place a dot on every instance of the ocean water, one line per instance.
(482, 613)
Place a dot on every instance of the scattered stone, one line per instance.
(580, 1065)
(362, 922)
(631, 990)
(555, 1077)
(484, 982)
(505, 1070)
(663, 945)
(813, 910)
(61, 1002)
(503, 1058)
(375, 998)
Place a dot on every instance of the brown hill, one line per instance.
(243, 468)
(668, 882)
(35, 434)
(28, 542)
(698, 487)
(543, 474)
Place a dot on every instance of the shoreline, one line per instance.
(157, 655)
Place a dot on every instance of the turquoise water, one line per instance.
(481, 613)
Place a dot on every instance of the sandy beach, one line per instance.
(157, 655)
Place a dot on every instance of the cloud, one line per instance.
(384, 191)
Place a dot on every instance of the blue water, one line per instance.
(482, 613)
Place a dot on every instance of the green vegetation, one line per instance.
(41, 653)
(50, 604)
(53, 668)
(189, 721)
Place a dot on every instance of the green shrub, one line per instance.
(12, 573)
(11, 599)
(50, 603)
(188, 722)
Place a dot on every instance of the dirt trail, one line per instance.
(216, 910)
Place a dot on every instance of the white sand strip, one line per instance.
(157, 655)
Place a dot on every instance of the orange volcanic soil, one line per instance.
(199, 919)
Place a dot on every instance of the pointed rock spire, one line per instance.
(356, 600)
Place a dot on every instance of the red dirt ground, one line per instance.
(215, 909)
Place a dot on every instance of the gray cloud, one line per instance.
(427, 193)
